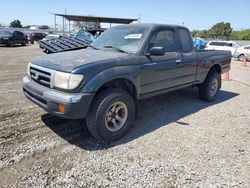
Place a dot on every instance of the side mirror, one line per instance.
(157, 51)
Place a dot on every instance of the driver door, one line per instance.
(161, 72)
(15, 37)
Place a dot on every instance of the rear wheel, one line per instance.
(24, 43)
(208, 90)
(111, 115)
(241, 57)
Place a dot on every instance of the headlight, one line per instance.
(67, 80)
(6, 38)
(28, 69)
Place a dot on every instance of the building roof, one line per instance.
(96, 19)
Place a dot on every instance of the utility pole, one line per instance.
(139, 19)
(65, 25)
(55, 23)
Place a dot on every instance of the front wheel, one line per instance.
(24, 43)
(111, 115)
(241, 57)
(208, 90)
(10, 43)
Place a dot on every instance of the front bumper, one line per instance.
(4, 41)
(76, 105)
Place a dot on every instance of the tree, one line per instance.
(201, 34)
(195, 33)
(220, 30)
(16, 24)
(240, 35)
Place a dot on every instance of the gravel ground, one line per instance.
(177, 140)
(240, 73)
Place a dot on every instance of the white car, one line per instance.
(50, 36)
(222, 45)
(241, 51)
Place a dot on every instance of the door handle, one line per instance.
(150, 64)
(178, 61)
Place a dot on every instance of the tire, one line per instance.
(100, 117)
(24, 43)
(10, 43)
(208, 90)
(241, 57)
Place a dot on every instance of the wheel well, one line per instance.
(216, 68)
(124, 84)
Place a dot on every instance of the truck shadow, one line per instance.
(153, 113)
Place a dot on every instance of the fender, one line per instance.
(131, 73)
(205, 65)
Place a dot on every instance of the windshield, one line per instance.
(127, 39)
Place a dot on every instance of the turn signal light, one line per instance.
(61, 108)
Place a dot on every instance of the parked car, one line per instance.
(124, 64)
(36, 37)
(199, 43)
(222, 45)
(10, 38)
(241, 51)
(51, 36)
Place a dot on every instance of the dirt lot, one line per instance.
(177, 140)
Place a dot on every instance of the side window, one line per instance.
(218, 43)
(19, 33)
(164, 38)
(186, 43)
(234, 45)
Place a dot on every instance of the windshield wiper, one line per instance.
(93, 47)
(115, 48)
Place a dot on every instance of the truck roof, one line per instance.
(151, 25)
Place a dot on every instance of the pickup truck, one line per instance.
(125, 64)
(10, 38)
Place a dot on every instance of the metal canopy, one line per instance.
(96, 19)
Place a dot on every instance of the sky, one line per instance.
(195, 14)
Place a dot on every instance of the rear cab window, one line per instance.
(186, 43)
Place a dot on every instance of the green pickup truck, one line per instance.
(125, 64)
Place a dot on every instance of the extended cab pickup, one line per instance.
(125, 64)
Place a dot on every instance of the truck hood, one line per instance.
(67, 61)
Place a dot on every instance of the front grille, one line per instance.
(42, 77)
